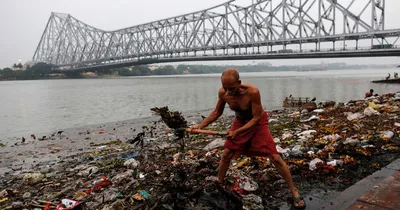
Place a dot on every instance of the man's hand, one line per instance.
(193, 127)
(231, 135)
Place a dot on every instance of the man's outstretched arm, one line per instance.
(216, 113)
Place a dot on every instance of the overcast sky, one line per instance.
(23, 21)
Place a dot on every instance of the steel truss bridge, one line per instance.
(264, 29)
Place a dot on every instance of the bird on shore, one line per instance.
(314, 99)
(203, 117)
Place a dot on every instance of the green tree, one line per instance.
(124, 72)
(20, 66)
(8, 73)
(40, 69)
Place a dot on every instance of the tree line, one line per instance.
(47, 71)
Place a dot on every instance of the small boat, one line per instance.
(391, 81)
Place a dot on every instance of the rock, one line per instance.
(27, 195)
(122, 178)
(89, 171)
(397, 124)
(304, 111)
(215, 144)
(33, 178)
(351, 141)
(313, 163)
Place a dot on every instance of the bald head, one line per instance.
(230, 74)
(231, 81)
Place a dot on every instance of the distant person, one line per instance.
(369, 94)
(395, 75)
(388, 77)
(249, 134)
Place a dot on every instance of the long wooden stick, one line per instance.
(209, 132)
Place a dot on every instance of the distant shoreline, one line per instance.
(188, 74)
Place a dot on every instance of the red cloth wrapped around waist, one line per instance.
(256, 141)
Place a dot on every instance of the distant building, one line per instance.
(186, 72)
(28, 64)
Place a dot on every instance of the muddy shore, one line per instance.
(328, 149)
(16, 155)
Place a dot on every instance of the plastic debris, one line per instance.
(313, 163)
(355, 116)
(369, 111)
(219, 142)
(131, 163)
(387, 135)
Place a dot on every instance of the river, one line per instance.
(48, 105)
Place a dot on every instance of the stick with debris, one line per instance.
(176, 121)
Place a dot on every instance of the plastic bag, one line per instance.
(373, 105)
(370, 111)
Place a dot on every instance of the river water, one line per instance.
(48, 105)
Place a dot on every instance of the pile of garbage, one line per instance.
(333, 147)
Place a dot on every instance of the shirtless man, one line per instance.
(249, 134)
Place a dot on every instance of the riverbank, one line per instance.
(327, 150)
